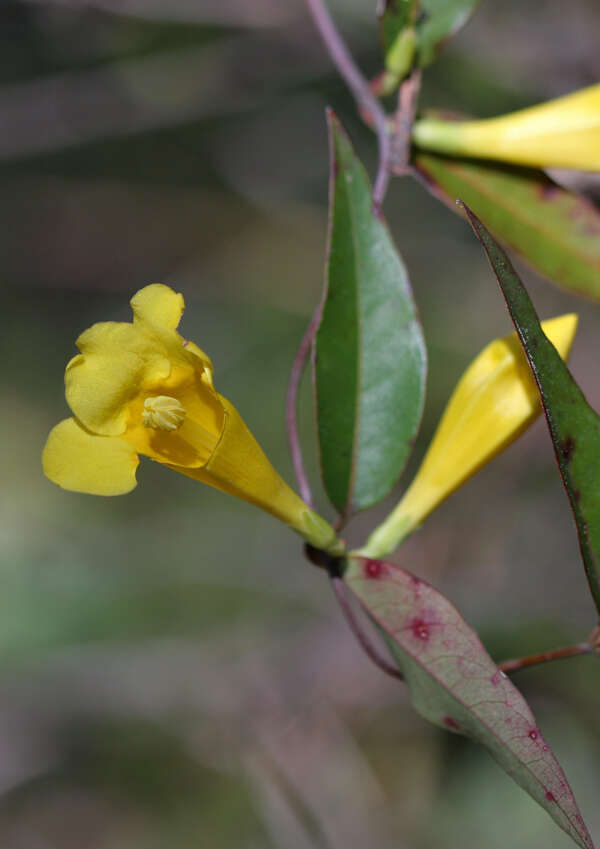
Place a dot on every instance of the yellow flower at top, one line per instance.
(139, 388)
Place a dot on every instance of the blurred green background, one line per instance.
(172, 673)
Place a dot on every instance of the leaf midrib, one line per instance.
(355, 172)
(468, 709)
(517, 211)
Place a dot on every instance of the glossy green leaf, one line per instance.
(439, 20)
(455, 684)
(574, 425)
(555, 231)
(370, 360)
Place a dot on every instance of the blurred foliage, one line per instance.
(157, 685)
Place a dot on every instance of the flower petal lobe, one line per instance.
(83, 462)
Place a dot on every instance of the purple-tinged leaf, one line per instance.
(574, 426)
(454, 683)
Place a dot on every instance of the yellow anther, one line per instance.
(161, 412)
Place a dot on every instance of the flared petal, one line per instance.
(495, 400)
(117, 363)
(158, 305)
(157, 310)
(120, 363)
(141, 389)
(80, 461)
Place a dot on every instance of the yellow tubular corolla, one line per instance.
(139, 388)
(495, 400)
(563, 133)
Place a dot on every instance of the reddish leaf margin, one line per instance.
(455, 684)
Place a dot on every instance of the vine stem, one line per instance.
(514, 665)
(366, 101)
(375, 116)
(363, 640)
(332, 567)
(291, 407)
(408, 96)
(546, 656)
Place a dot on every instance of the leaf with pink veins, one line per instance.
(455, 684)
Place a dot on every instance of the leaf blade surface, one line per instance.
(370, 360)
(440, 20)
(455, 684)
(394, 18)
(555, 231)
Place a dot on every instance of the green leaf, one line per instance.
(370, 360)
(395, 16)
(441, 19)
(574, 425)
(455, 684)
(396, 25)
(555, 231)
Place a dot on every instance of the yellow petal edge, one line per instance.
(80, 461)
(139, 388)
(495, 400)
(563, 133)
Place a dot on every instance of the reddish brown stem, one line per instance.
(404, 117)
(291, 407)
(359, 86)
(545, 657)
(339, 589)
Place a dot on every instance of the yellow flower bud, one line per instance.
(563, 133)
(495, 400)
(139, 388)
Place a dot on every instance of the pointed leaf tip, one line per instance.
(439, 20)
(370, 360)
(455, 684)
(574, 426)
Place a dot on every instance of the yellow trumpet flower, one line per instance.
(495, 400)
(139, 388)
(563, 133)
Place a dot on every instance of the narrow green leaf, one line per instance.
(574, 425)
(441, 19)
(370, 360)
(555, 231)
(455, 684)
